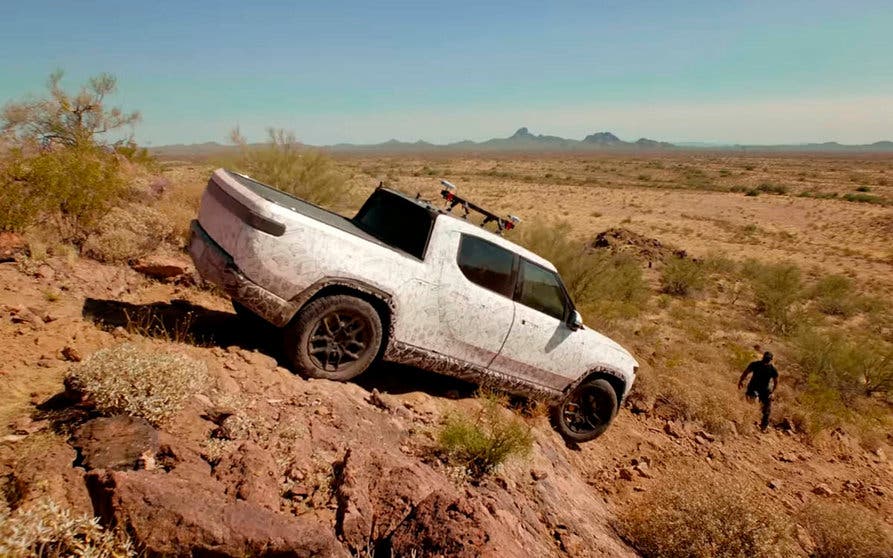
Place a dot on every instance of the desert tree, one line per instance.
(70, 119)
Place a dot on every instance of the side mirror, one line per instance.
(575, 321)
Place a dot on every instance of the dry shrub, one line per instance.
(849, 364)
(682, 276)
(291, 167)
(180, 205)
(834, 296)
(481, 442)
(676, 399)
(128, 233)
(129, 380)
(777, 288)
(840, 529)
(608, 285)
(48, 530)
(695, 512)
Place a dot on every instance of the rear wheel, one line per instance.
(334, 337)
(585, 413)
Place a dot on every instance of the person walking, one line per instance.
(762, 374)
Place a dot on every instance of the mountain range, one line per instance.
(524, 141)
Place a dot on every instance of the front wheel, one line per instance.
(334, 337)
(585, 413)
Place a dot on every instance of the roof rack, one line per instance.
(452, 200)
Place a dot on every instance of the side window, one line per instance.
(541, 290)
(486, 264)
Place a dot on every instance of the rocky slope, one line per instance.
(260, 461)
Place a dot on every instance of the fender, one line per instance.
(618, 379)
(329, 283)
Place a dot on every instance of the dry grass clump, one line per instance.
(126, 234)
(839, 529)
(128, 380)
(481, 442)
(286, 164)
(682, 276)
(48, 530)
(696, 513)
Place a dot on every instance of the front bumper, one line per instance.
(218, 267)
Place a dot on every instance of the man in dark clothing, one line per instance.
(763, 373)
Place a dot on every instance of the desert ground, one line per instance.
(355, 469)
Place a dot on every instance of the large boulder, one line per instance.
(172, 515)
(119, 443)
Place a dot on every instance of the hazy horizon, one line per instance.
(795, 73)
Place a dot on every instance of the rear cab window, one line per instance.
(486, 264)
(397, 222)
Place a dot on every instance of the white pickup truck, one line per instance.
(406, 281)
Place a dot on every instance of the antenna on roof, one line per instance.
(452, 200)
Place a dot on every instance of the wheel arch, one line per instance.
(382, 302)
(608, 373)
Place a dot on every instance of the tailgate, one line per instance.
(228, 208)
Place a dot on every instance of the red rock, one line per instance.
(376, 492)
(71, 354)
(171, 515)
(441, 525)
(48, 473)
(249, 473)
(117, 443)
(163, 267)
(12, 246)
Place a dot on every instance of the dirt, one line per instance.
(353, 464)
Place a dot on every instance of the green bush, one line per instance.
(47, 530)
(839, 529)
(682, 276)
(842, 367)
(771, 188)
(72, 186)
(865, 198)
(286, 164)
(777, 288)
(834, 296)
(697, 513)
(607, 284)
(128, 380)
(481, 442)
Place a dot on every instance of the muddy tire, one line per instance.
(586, 412)
(334, 337)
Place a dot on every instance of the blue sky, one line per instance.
(748, 72)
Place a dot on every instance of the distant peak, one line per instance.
(601, 137)
(521, 133)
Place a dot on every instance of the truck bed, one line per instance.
(303, 207)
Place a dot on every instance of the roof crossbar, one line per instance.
(452, 200)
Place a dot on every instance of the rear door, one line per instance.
(540, 348)
(476, 305)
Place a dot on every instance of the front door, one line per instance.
(476, 298)
(540, 348)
